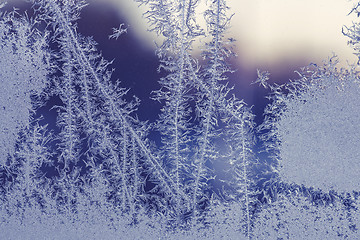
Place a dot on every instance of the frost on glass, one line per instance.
(315, 128)
(89, 174)
(296, 217)
(98, 175)
(24, 66)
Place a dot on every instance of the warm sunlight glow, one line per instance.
(269, 32)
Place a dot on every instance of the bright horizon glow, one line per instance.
(271, 32)
(283, 29)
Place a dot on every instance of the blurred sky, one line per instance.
(280, 36)
(271, 32)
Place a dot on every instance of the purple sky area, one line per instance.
(135, 62)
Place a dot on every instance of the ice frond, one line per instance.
(117, 32)
(23, 76)
(263, 78)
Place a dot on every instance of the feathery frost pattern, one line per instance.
(97, 174)
(22, 50)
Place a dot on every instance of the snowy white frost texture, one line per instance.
(96, 172)
(23, 73)
(318, 130)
